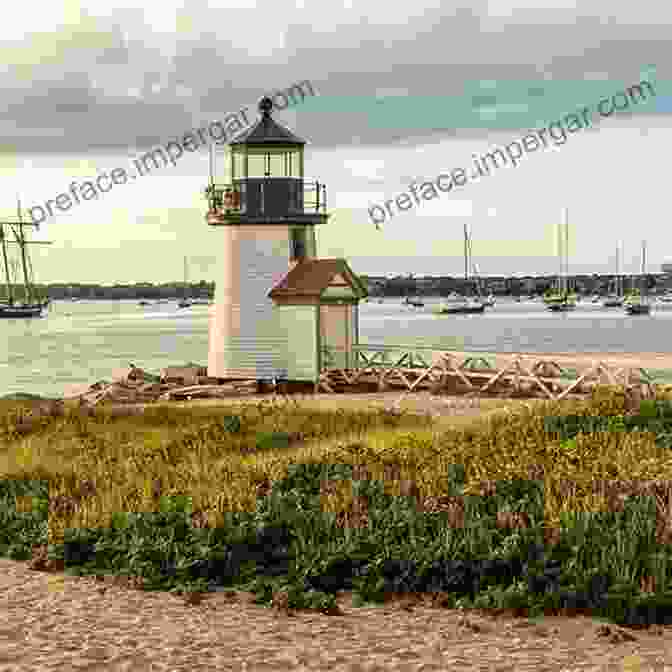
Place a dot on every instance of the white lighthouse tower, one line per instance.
(274, 301)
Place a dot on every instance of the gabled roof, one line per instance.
(311, 277)
(267, 131)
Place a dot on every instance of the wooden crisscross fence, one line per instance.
(414, 368)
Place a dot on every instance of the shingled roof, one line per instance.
(312, 276)
(267, 131)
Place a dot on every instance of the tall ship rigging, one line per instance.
(24, 302)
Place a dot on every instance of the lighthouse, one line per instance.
(279, 311)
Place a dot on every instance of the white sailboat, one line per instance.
(639, 304)
(615, 300)
(467, 305)
(185, 302)
(489, 302)
(561, 300)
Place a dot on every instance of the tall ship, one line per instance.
(561, 299)
(20, 300)
(467, 305)
(638, 304)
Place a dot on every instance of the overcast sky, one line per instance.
(406, 91)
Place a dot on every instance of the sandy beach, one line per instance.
(65, 622)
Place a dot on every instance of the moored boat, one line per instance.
(467, 305)
(616, 299)
(415, 303)
(18, 310)
(613, 302)
(638, 303)
(561, 300)
(561, 305)
(638, 309)
(185, 301)
(31, 304)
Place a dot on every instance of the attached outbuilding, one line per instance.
(317, 304)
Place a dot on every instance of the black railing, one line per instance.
(267, 196)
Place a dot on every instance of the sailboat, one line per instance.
(468, 305)
(184, 301)
(616, 300)
(488, 302)
(638, 304)
(416, 303)
(561, 300)
(31, 304)
(413, 302)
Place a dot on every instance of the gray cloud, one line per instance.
(115, 83)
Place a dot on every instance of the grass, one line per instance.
(512, 509)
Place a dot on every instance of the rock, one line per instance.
(40, 562)
(100, 385)
(615, 634)
(280, 603)
(151, 388)
(122, 375)
(133, 374)
(207, 380)
(76, 390)
(192, 598)
(185, 375)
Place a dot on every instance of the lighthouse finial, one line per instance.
(265, 106)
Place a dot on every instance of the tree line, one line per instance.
(377, 286)
(169, 290)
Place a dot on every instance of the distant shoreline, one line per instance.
(379, 286)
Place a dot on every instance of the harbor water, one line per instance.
(83, 342)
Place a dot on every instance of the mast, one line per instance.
(20, 240)
(211, 177)
(24, 265)
(212, 166)
(473, 267)
(566, 250)
(10, 294)
(561, 270)
(643, 283)
(185, 277)
(466, 268)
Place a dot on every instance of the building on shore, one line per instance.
(278, 309)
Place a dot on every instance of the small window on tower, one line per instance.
(298, 243)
